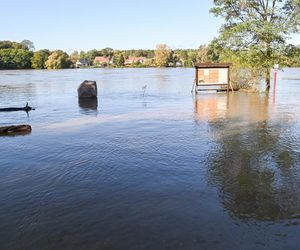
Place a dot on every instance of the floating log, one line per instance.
(15, 130)
(26, 109)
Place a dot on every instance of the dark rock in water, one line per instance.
(88, 103)
(15, 130)
(87, 89)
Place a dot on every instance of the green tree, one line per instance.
(74, 56)
(192, 58)
(5, 44)
(119, 59)
(15, 59)
(291, 56)
(58, 60)
(183, 56)
(82, 55)
(260, 28)
(29, 44)
(214, 51)
(39, 58)
(12, 45)
(91, 54)
(162, 55)
(203, 54)
(150, 53)
(107, 52)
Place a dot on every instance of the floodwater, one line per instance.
(159, 170)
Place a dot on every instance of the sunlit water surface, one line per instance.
(163, 170)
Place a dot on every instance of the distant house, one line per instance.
(82, 63)
(179, 64)
(102, 61)
(133, 59)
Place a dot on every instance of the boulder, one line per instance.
(15, 130)
(87, 89)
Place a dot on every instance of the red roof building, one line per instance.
(133, 59)
(100, 60)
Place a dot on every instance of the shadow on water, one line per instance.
(254, 165)
(16, 134)
(88, 105)
(19, 133)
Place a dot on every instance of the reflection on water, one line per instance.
(161, 171)
(254, 168)
(211, 107)
(23, 133)
(88, 103)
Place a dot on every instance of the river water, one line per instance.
(159, 170)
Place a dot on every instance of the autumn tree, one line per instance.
(58, 60)
(39, 58)
(74, 56)
(162, 55)
(203, 54)
(258, 29)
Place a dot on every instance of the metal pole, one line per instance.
(276, 67)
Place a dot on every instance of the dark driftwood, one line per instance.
(15, 130)
(26, 109)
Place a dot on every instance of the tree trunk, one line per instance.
(267, 79)
(268, 69)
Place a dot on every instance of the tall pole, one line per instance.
(276, 67)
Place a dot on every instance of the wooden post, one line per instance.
(228, 77)
(227, 80)
(196, 79)
(193, 87)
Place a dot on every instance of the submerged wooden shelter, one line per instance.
(212, 76)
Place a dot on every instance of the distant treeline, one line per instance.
(15, 55)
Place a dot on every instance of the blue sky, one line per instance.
(88, 24)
